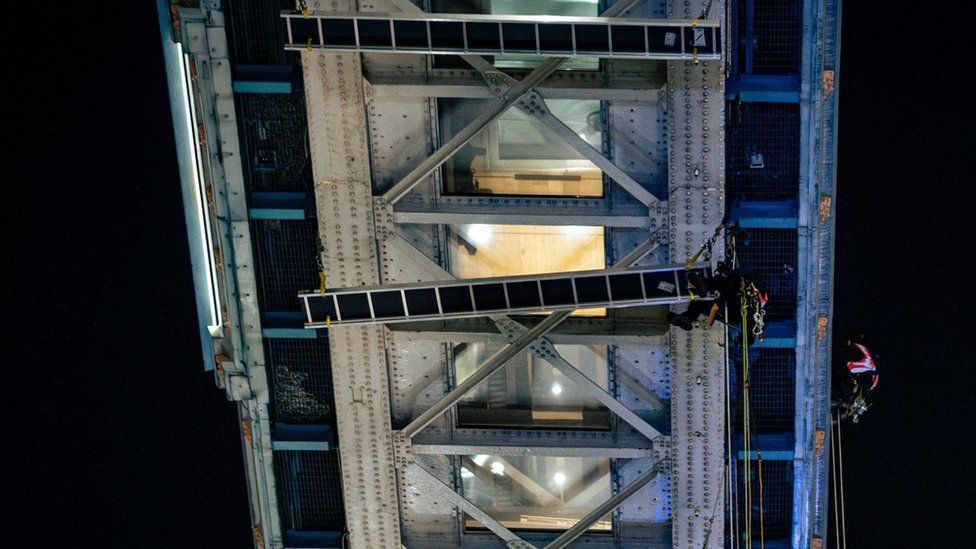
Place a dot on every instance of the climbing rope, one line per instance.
(730, 458)
(833, 476)
(841, 511)
(746, 442)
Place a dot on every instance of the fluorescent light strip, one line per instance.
(206, 238)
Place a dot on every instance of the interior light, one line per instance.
(480, 459)
(465, 473)
(557, 389)
(575, 229)
(559, 478)
(498, 468)
(480, 234)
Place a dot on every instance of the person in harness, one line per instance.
(860, 380)
(728, 286)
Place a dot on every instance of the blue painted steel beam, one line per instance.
(295, 539)
(768, 443)
(772, 455)
(303, 437)
(264, 79)
(761, 88)
(765, 214)
(285, 325)
(779, 334)
(280, 205)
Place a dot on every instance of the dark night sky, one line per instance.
(116, 436)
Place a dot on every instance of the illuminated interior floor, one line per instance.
(480, 251)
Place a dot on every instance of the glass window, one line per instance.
(518, 155)
(536, 493)
(576, 8)
(530, 393)
(480, 251)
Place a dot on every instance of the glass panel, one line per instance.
(481, 251)
(530, 393)
(536, 493)
(518, 155)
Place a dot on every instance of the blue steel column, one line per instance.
(818, 104)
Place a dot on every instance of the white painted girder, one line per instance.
(696, 189)
(343, 195)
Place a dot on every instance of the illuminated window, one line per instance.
(536, 493)
(530, 393)
(518, 155)
(576, 8)
(481, 251)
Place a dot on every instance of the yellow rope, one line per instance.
(746, 438)
(762, 526)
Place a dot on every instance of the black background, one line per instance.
(116, 437)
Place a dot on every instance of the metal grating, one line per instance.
(769, 41)
(275, 142)
(285, 253)
(309, 490)
(770, 256)
(777, 499)
(772, 386)
(301, 380)
(255, 31)
(763, 151)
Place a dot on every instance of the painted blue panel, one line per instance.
(288, 333)
(295, 539)
(779, 334)
(253, 86)
(765, 214)
(276, 213)
(779, 455)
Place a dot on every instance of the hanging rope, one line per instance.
(730, 457)
(833, 475)
(746, 436)
(837, 475)
(840, 469)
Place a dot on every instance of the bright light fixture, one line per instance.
(557, 389)
(480, 234)
(575, 229)
(559, 478)
(498, 468)
(465, 473)
(480, 459)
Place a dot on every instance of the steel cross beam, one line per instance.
(615, 501)
(461, 138)
(509, 537)
(534, 105)
(493, 364)
(547, 352)
(499, 106)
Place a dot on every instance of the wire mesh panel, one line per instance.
(777, 499)
(763, 150)
(285, 252)
(301, 380)
(771, 389)
(309, 490)
(275, 142)
(770, 256)
(255, 31)
(769, 37)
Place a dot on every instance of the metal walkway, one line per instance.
(546, 36)
(652, 285)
